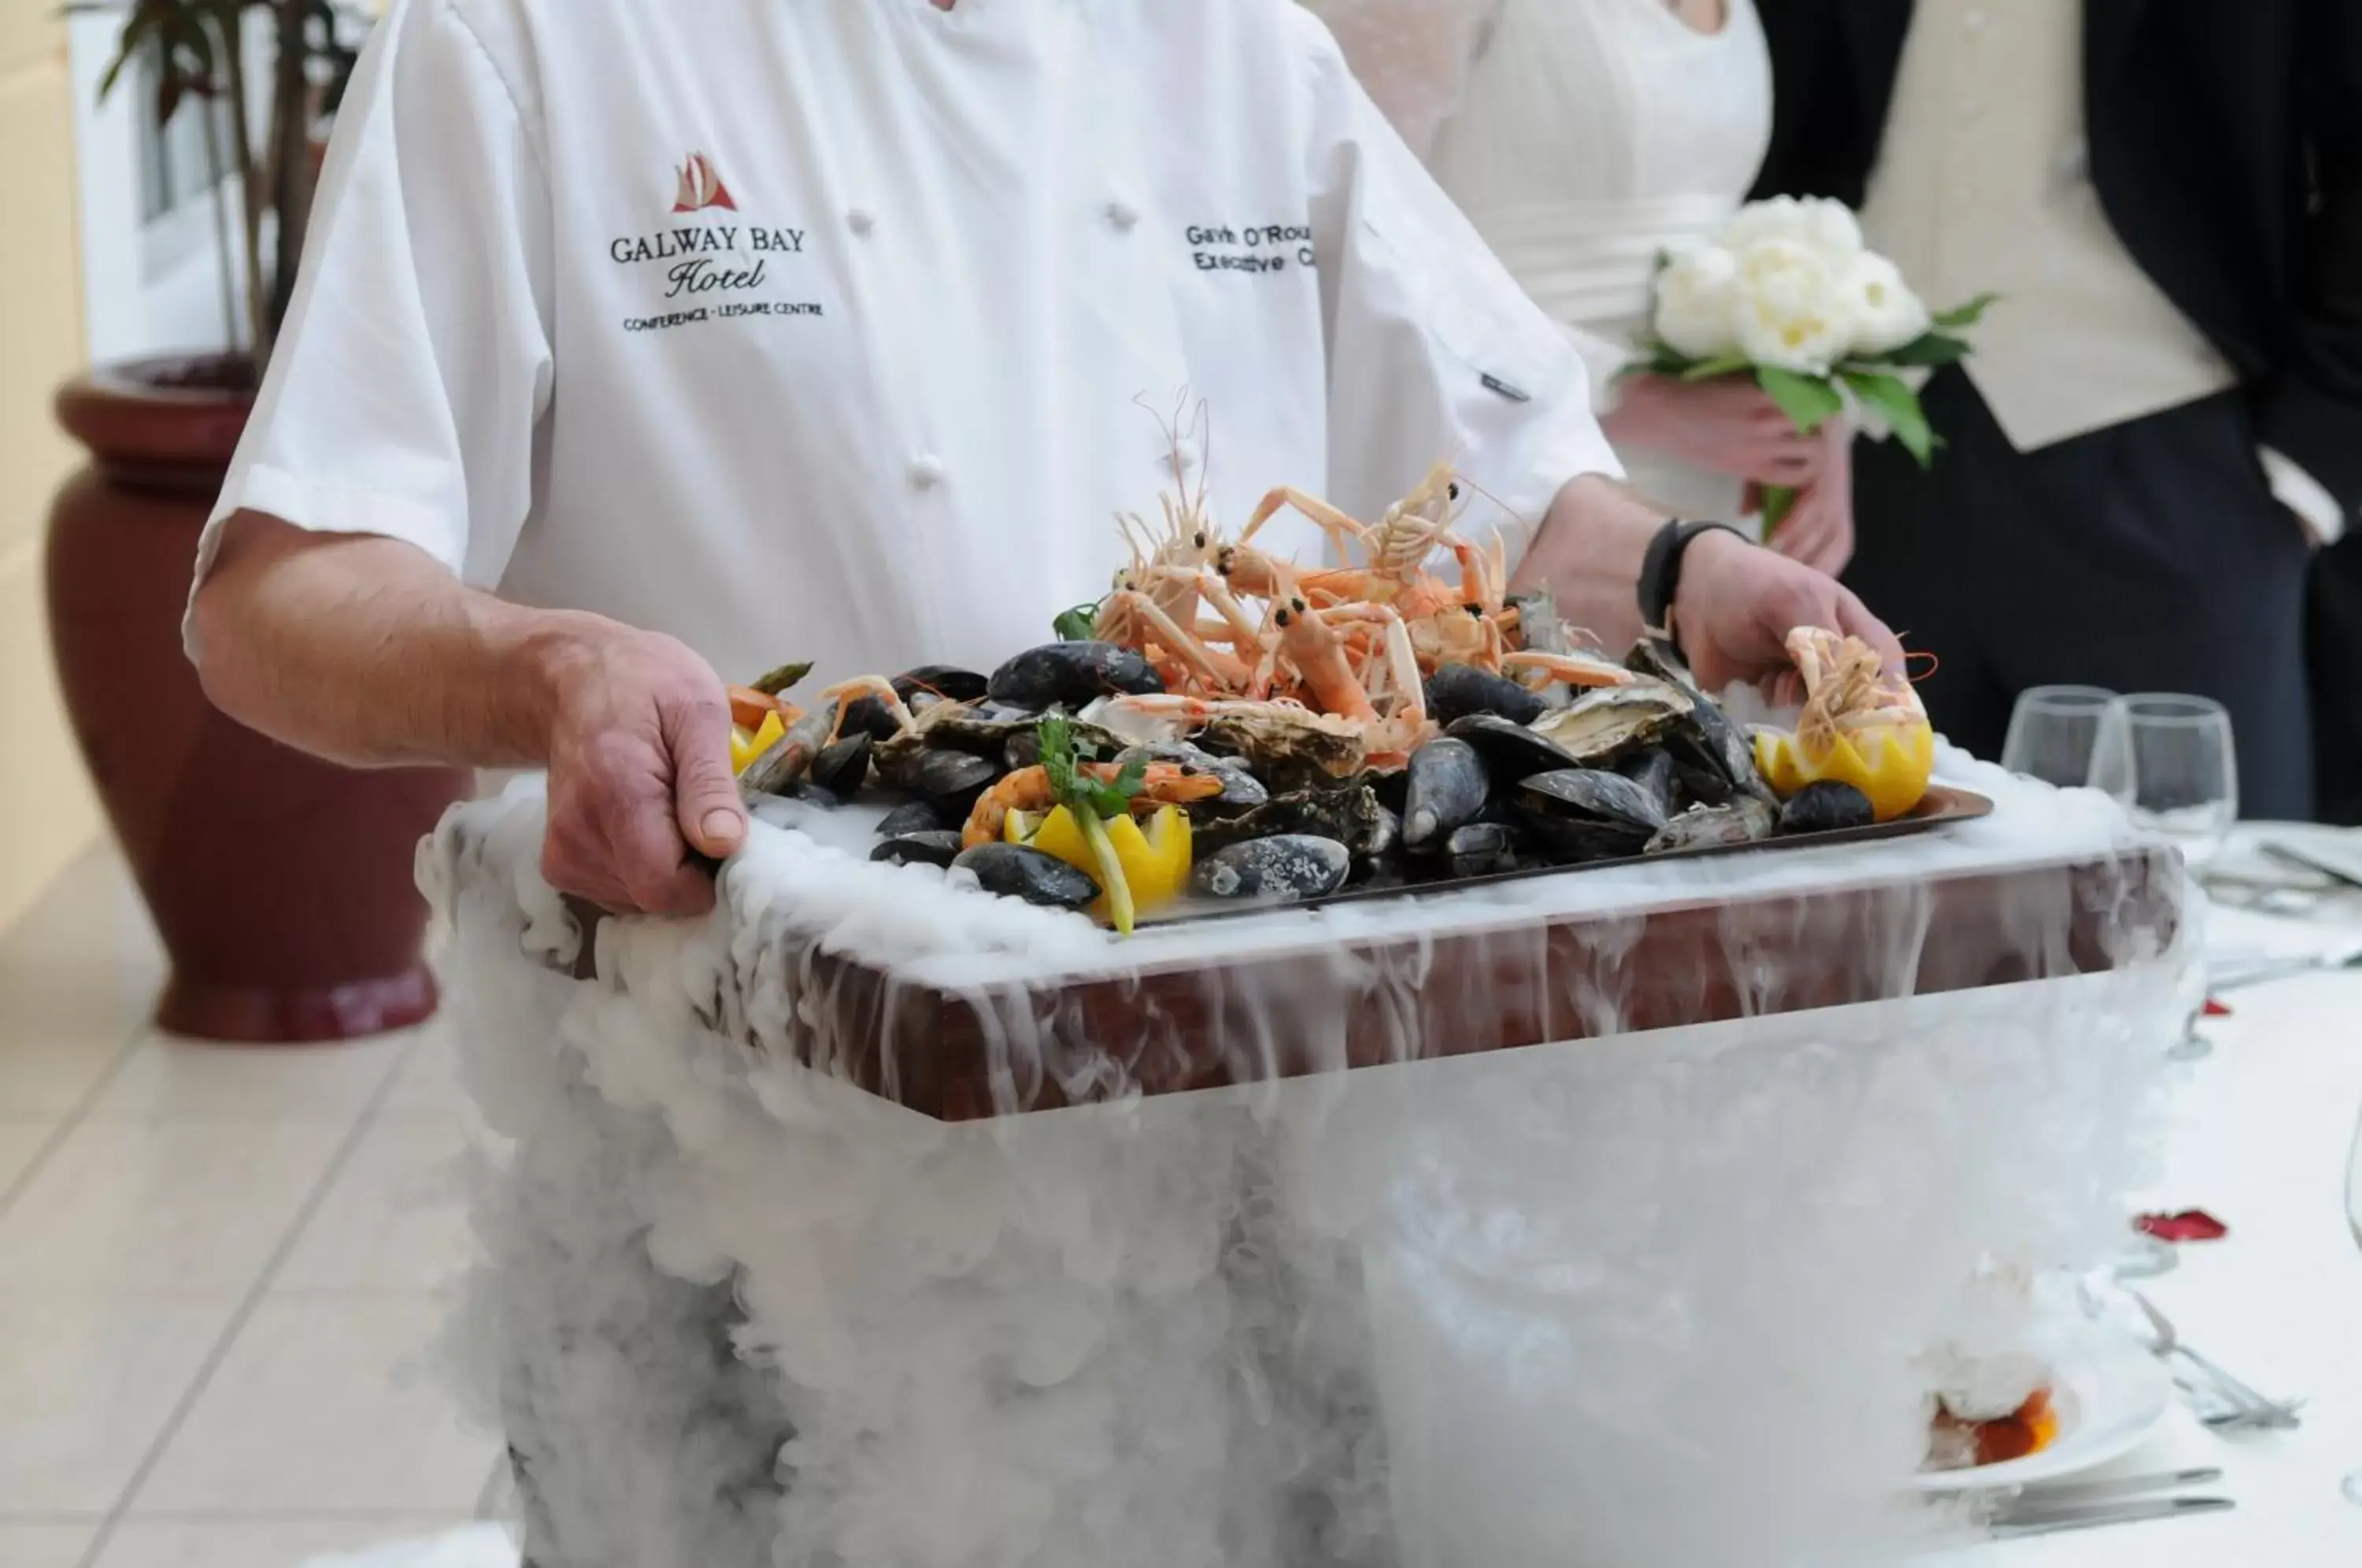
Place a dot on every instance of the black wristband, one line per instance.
(1660, 574)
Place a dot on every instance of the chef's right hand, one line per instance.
(639, 774)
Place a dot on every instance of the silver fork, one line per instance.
(2248, 1408)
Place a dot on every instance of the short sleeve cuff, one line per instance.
(1573, 448)
(319, 506)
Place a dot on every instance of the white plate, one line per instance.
(2110, 1395)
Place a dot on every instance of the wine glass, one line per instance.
(2058, 733)
(2183, 773)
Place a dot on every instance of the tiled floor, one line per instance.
(221, 1273)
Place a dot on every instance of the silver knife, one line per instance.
(2348, 873)
(2045, 1496)
(2093, 1517)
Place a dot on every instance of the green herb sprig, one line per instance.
(1093, 803)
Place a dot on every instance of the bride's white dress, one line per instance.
(1581, 138)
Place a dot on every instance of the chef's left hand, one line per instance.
(1738, 602)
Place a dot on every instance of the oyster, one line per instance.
(1241, 790)
(1351, 815)
(1610, 721)
(1287, 749)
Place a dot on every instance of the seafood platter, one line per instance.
(1308, 1069)
(1227, 729)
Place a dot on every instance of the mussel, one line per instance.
(1653, 770)
(1826, 806)
(1482, 849)
(1611, 722)
(947, 681)
(869, 716)
(1713, 755)
(1511, 751)
(952, 780)
(1585, 813)
(1446, 788)
(844, 767)
(1072, 675)
(1744, 820)
(1019, 871)
(936, 847)
(1456, 690)
(913, 816)
(1286, 867)
(1661, 660)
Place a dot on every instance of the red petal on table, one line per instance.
(2190, 1225)
(2216, 1010)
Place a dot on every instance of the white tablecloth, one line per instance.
(2260, 1141)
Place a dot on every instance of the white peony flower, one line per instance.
(1827, 227)
(1697, 297)
(1794, 310)
(1887, 315)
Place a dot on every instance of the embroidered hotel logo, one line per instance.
(701, 188)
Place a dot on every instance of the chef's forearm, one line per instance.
(364, 651)
(1589, 552)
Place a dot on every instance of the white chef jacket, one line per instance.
(822, 328)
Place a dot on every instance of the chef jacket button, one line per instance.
(861, 220)
(926, 470)
(1122, 214)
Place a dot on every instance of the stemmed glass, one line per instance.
(2184, 773)
(2063, 734)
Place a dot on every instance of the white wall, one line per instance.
(156, 291)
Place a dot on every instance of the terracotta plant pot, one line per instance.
(281, 885)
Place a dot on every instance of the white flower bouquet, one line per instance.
(1788, 295)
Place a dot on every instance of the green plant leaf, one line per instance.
(1967, 314)
(1057, 744)
(1934, 350)
(1808, 401)
(1075, 626)
(1114, 798)
(1898, 406)
(1721, 365)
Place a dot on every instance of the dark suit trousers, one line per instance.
(2147, 557)
(2334, 640)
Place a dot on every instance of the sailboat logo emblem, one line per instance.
(701, 187)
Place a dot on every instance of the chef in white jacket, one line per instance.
(638, 339)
